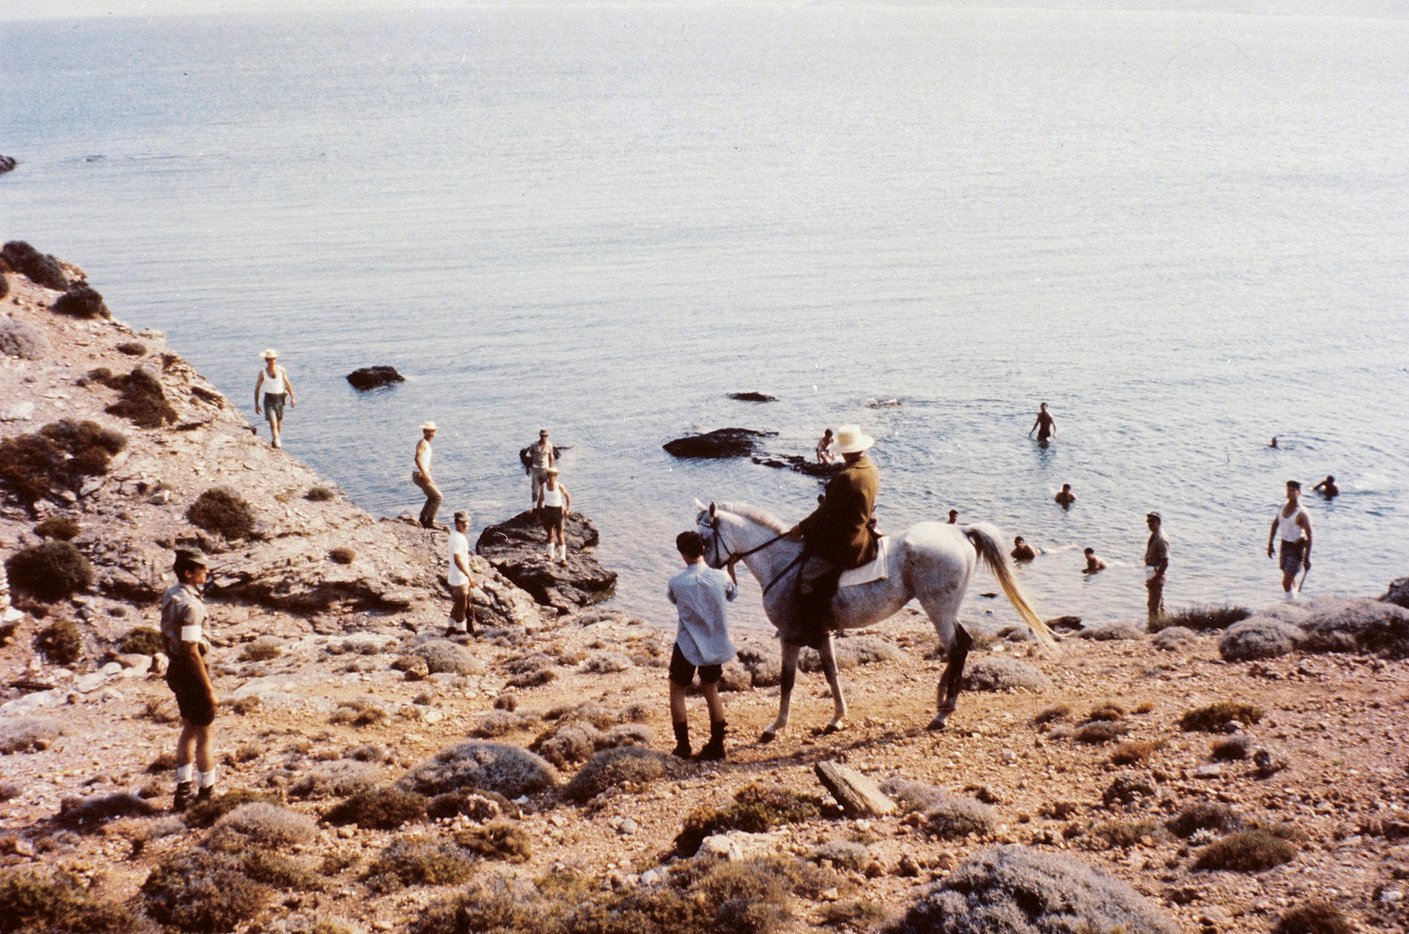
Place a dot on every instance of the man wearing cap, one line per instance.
(1292, 526)
(537, 458)
(421, 476)
(183, 631)
(1156, 564)
(837, 535)
(461, 616)
(274, 387)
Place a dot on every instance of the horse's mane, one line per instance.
(753, 513)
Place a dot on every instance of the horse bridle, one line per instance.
(730, 556)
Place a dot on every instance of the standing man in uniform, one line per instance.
(1156, 564)
(537, 458)
(183, 631)
(1292, 525)
(837, 535)
(274, 388)
(421, 476)
(462, 617)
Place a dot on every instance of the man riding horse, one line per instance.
(838, 535)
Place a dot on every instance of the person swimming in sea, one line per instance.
(1022, 551)
(1327, 488)
(1065, 497)
(1094, 564)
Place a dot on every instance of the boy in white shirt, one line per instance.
(701, 642)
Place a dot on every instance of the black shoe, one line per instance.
(713, 751)
(682, 740)
(185, 794)
(205, 793)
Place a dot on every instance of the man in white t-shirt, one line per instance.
(1292, 526)
(462, 618)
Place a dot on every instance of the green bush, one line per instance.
(201, 891)
(223, 512)
(1247, 851)
(40, 268)
(61, 642)
(50, 571)
(56, 904)
(142, 401)
(144, 640)
(58, 528)
(755, 809)
(1210, 719)
(63, 453)
(379, 809)
(81, 301)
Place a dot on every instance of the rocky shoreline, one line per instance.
(376, 776)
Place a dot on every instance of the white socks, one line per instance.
(565, 551)
(462, 626)
(208, 778)
(184, 773)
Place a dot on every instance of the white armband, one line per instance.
(191, 633)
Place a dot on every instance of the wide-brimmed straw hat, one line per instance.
(428, 426)
(270, 354)
(852, 440)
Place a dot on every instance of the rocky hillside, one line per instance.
(1223, 775)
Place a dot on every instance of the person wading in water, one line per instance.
(838, 534)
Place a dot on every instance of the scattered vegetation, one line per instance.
(1212, 718)
(1248, 851)
(1232, 749)
(56, 904)
(319, 494)
(141, 399)
(222, 511)
(606, 663)
(1128, 788)
(81, 301)
(22, 339)
(61, 642)
(60, 454)
(1204, 815)
(476, 805)
(260, 825)
(1259, 637)
(197, 890)
(1124, 834)
(755, 809)
(262, 649)
(1314, 918)
(41, 268)
(1135, 751)
(612, 768)
(1051, 715)
(417, 861)
(58, 528)
(358, 713)
(444, 656)
(499, 839)
(279, 871)
(379, 809)
(336, 780)
(951, 817)
(1100, 732)
(205, 813)
(85, 814)
(144, 640)
(132, 348)
(342, 555)
(507, 770)
(1202, 618)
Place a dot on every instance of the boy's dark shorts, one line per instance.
(190, 694)
(682, 672)
(1291, 555)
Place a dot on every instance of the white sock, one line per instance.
(208, 778)
(565, 551)
(184, 773)
(551, 548)
(457, 627)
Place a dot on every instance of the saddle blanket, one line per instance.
(875, 571)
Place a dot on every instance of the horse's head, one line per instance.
(707, 524)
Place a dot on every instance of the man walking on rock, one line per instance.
(1292, 526)
(461, 615)
(421, 476)
(1156, 564)
(183, 631)
(274, 388)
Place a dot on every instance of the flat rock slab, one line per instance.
(518, 547)
(855, 792)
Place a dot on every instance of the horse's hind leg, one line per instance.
(950, 683)
(785, 691)
(829, 668)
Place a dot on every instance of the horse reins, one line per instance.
(730, 556)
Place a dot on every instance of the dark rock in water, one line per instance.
(800, 464)
(373, 377)
(883, 404)
(752, 397)
(7, 164)
(723, 442)
(1398, 592)
(1067, 623)
(518, 549)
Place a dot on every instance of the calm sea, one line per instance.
(1184, 231)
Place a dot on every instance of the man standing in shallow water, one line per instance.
(1292, 525)
(421, 476)
(1044, 426)
(1156, 564)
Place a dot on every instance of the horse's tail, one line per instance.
(986, 544)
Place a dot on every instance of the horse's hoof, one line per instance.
(834, 728)
(766, 736)
(936, 724)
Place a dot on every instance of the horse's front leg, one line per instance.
(829, 668)
(785, 691)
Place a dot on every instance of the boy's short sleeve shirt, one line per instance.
(183, 618)
(460, 545)
(700, 593)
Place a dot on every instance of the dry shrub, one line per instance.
(336, 780)
(445, 657)
(342, 555)
(1260, 637)
(1203, 617)
(499, 839)
(144, 640)
(1100, 732)
(81, 301)
(22, 339)
(1173, 637)
(1135, 751)
(61, 642)
(319, 494)
(843, 854)
(1212, 718)
(498, 767)
(1314, 918)
(1052, 715)
(858, 914)
(222, 511)
(86, 814)
(358, 713)
(755, 809)
(61, 454)
(532, 679)
(262, 649)
(40, 268)
(606, 663)
(259, 825)
(1232, 749)
(951, 816)
(58, 528)
(205, 813)
(1248, 851)
(1106, 711)
(202, 891)
(612, 768)
(50, 571)
(1124, 834)
(141, 400)
(1369, 627)
(1204, 815)
(57, 903)
(913, 795)
(1128, 788)
(279, 871)
(132, 348)
(9, 791)
(417, 861)
(476, 805)
(499, 723)
(379, 809)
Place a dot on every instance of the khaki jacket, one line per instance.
(838, 529)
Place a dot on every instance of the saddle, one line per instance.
(875, 569)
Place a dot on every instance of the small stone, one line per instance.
(908, 866)
(650, 877)
(1208, 771)
(628, 827)
(1391, 896)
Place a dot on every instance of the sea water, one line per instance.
(1183, 230)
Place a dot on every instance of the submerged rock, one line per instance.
(518, 549)
(722, 442)
(800, 464)
(752, 397)
(7, 164)
(374, 377)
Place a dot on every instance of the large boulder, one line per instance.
(517, 549)
(374, 377)
(1367, 627)
(1019, 890)
(722, 442)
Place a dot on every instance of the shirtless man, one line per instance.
(1292, 525)
(1044, 426)
(1156, 566)
(1093, 563)
(825, 453)
(953, 517)
(1327, 488)
(1065, 497)
(1022, 551)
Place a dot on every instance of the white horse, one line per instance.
(930, 562)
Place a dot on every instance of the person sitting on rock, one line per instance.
(554, 506)
(825, 454)
(1022, 551)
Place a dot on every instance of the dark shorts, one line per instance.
(274, 406)
(1291, 555)
(186, 684)
(551, 517)
(682, 672)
